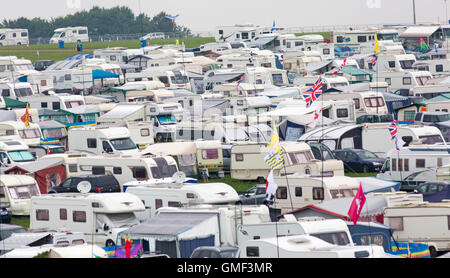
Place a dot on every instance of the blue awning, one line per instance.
(101, 74)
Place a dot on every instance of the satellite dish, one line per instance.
(84, 187)
(179, 177)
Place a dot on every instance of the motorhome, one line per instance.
(164, 118)
(157, 96)
(244, 59)
(361, 41)
(193, 158)
(247, 161)
(249, 106)
(98, 140)
(395, 62)
(14, 152)
(238, 33)
(117, 55)
(16, 90)
(141, 133)
(30, 135)
(159, 195)
(72, 80)
(101, 217)
(267, 76)
(415, 164)
(17, 190)
(13, 37)
(243, 89)
(328, 82)
(367, 102)
(54, 101)
(297, 190)
(171, 77)
(128, 168)
(438, 63)
(421, 223)
(70, 35)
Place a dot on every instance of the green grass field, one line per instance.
(326, 35)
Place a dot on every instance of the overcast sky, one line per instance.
(205, 15)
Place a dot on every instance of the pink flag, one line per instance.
(357, 205)
(340, 68)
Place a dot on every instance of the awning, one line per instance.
(122, 111)
(261, 41)
(372, 184)
(101, 74)
(50, 124)
(373, 205)
(172, 148)
(318, 65)
(13, 103)
(224, 77)
(419, 31)
(21, 240)
(83, 109)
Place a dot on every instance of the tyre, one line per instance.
(110, 243)
(433, 252)
(159, 137)
(19, 43)
(261, 180)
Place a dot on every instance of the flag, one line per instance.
(435, 46)
(273, 27)
(314, 93)
(393, 132)
(274, 159)
(341, 67)
(377, 47)
(423, 45)
(357, 205)
(239, 82)
(374, 60)
(275, 140)
(317, 114)
(26, 117)
(271, 188)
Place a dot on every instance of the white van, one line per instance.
(70, 35)
(101, 217)
(14, 152)
(17, 190)
(13, 37)
(98, 140)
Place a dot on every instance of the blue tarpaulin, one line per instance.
(80, 56)
(101, 74)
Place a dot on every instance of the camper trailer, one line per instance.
(17, 190)
(13, 37)
(361, 41)
(101, 217)
(365, 102)
(70, 35)
(98, 140)
(415, 164)
(173, 78)
(159, 195)
(128, 168)
(247, 161)
(72, 80)
(30, 135)
(70, 161)
(54, 101)
(117, 55)
(15, 90)
(421, 223)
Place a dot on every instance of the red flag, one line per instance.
(357, 205)
(26, 117)
(341, 67)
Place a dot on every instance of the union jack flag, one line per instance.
(239, 83)
(317, 114)
(374, 60)
(393, 131)
(314, 93)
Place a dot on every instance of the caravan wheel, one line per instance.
(433, 252)
(109, 243)
(159, 137)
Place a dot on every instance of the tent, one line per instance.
(177, 234)
(47, 172)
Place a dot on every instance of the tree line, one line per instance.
(100, 21)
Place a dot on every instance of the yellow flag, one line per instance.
(377, 49)
(275, 141)
(177, 42)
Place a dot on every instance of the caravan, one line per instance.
(170, 76)
(14, 152)
(54, 101)
(17, 190)
(30, 135)
(15, 90)
(14, 37)
(101, 217)
(70, 35)
(72, 80)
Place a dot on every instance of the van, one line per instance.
(14, 152)
(14, 37)
(101, 217)
(17, 191)
(70, 35)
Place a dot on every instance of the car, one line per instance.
(321, 151)
(99, 184)
(223, 252)
(5, 212)
(40, 151)
(433, 192)
(153, 36)
(375, 118)
(6, 230)
(431, 118)
(42, 64)
(359, 160)
(254, 196)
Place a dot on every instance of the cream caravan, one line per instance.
(17, 190)
(31, 135)
(14, 152)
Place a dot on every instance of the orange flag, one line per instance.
(26, 117)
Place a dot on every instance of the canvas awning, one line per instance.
(374, 205)
(101, 74)
(21, 240)
(83, 109)
(172, 148)
(122, 111)
(50, 124)
(261, 41)
(419, 31)
(315, 66)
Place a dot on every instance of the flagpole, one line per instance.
(368, 223)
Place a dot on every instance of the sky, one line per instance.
(206, 15)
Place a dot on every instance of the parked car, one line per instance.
(359, 160)
(42, 64)
(254, 196)
(374, 118)
(321, 151)
(99, 184)
(40, 151)
(6, 230)
(5, 213)
(223, 252)
(435, 191)
(431, 118)
(154, 36)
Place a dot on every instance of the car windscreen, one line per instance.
(117, 220)
(431, 139)
(123, 144)
(21, 156)
(366, 154)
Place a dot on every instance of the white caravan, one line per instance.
(14, 152)
(438, 63)
(128, 168)
(98, 140)
(297, 190)
(101, 217)
(72, 80)
(141, 133)
(117, 55)
(328, 82)
(247, 161)
(14, 37)
(304, 246)
(362, 41)
(156, 195)
(70, 161)
(70, 35)
(421, 223)
(15, 90)
(17, 190)
(54, 101)
(171, 77)
(100, 64)
(238, 33)
(224, 132)
(415, 164)
(244, 59)
(365, 103)
(30, 135)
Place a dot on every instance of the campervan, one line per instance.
(128, 168)
(421, 223)
(70, 35)
(156, 195)
(101, 217)
(238, 33)
(438, 63)
(415, 164)
(14, 152)
(141, 132)
(30, 135)
(236, 90)
(117, 55)
(245, 59)
(361, 41)
(171, 77)
(247, 161)
(17, 190)
(163, 116)
(98, 140)
(54, 101)
(297, 190)
(328, 82)
(14, 37)
(72, 80)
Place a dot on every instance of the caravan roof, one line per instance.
(16, 180)
(328, 132)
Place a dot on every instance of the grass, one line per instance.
(326, 35)
(53, 52)
(23, 221)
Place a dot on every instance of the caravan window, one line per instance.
(62, 214)
(42, 215)
(158, 203)
(21, 156)
(174, 204)
(23, 92)
(210, 154)
(407, 64)
(342, 113)
(337, 238)
(300, 157)
(396, 223)
(79, 216)
(92, 143)
(357, 104)
(362, 39)
(123, 144)
(29, 133)
(6, 93)
(23, 191)
(282, 192)
(318, 193)
(139, 172)
(420, 163)
(431, 139)
(277, 79)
